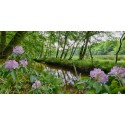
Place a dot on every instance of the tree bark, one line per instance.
(3, 41)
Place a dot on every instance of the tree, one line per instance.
(86, 38)
(3, 41)
(17, 39)
(121, 40)
(65, 42)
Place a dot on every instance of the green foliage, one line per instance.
(43, 45)
(104, 48)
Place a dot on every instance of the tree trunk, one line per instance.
(3, 41)
(57, 52)
(121, 39)
(18, 37)
(81, 52)
(66, 36)
(66, 53)
(73, 51)
(84, 47)
(90, 52)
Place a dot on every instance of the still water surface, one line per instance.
(67, 76)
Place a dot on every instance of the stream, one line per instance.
(67, 76)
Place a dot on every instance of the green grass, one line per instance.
(105, 62)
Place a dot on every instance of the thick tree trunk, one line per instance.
(16, 40)
(3, 41)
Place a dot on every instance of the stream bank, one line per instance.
(67, 64)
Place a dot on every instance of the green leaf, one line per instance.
(33, 78)
(120, 89)
(5, 74)
(97, 87)
(13, 75)
(110, 79)
(21, 69)
(90, 92)
(114, 84)
(89, 84)
(107, 88)
(123, 81)
(80, 86)
(1, 73)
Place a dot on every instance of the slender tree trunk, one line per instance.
(46, 51)
(84, 47)
(57, 52)
(81, 52)
(66, 36)
(121, 39)
(66, 53)
(73, 51)
(90, 52)
(17, 39)
(41, 52)
(50, 52)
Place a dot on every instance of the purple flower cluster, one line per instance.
(18, 50)
(118, 71)
(36, 84)
(11, 64)
(99, 75)
(24, 63)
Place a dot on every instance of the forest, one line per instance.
(62, 62)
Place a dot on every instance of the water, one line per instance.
(68, 77)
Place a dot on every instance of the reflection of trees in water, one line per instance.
(66, 76)
(68, 79)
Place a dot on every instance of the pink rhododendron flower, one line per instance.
(11, 64)
(24, 63)
(99, 75)
(18, 50)
(118, 71)
(36, 84)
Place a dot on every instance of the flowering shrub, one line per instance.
(99, 75)
(11, 64)
(21, 79)
(23, 62)
(36, 84)
(118, 71)
(18, 50)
